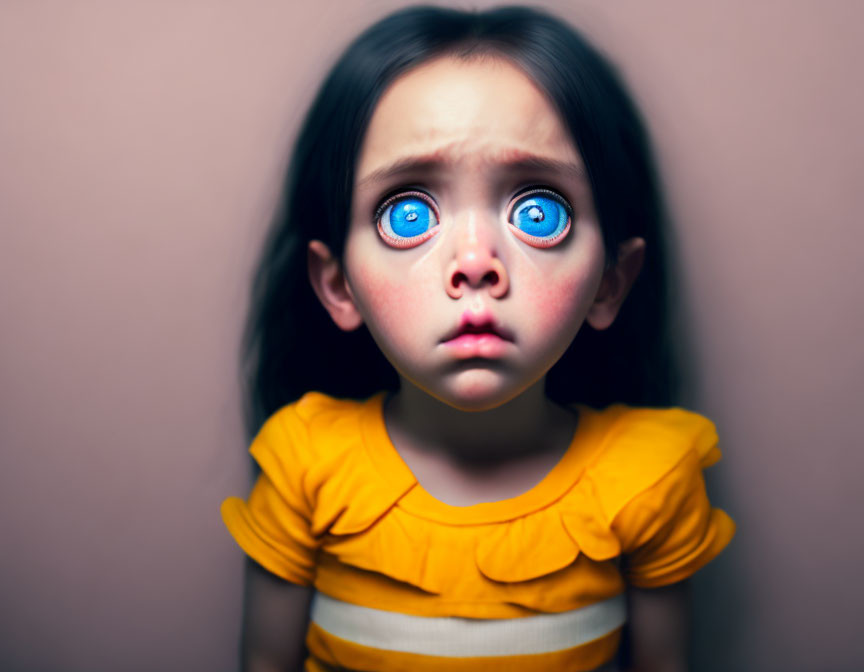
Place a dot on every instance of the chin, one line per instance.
(476, 395)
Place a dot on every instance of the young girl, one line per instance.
(450, 478)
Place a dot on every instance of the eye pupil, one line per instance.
(411, 216)
(536, 214)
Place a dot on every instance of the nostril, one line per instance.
(490, 277)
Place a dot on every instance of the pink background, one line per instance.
(141, 147)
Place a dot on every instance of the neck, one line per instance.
(526, 425)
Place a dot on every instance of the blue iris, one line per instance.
(540, 216)
(407, 218)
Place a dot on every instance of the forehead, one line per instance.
(467, 111)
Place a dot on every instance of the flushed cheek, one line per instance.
(389, 304)
(560, 303)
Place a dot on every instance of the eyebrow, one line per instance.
(522, 162)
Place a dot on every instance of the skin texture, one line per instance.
(406, 295)
(469, 122)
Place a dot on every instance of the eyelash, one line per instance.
(403, 192)
(540, 189)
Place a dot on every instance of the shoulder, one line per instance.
(655, 435)
(649, 485)
(314, 450)
(311, 430)
(643, 447)
(311, 408)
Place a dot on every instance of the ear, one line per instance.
(331, 286)
(616, 283)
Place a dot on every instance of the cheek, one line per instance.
(563, 301)
(388, 304)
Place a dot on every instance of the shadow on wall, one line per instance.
(718, 590)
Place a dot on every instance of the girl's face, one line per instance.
(471, 213)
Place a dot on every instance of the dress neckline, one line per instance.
(417, 501)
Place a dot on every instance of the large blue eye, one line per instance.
(542, 215)
(406, 218)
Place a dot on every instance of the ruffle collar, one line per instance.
(423, 552)
(526, 537)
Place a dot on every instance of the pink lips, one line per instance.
(478, 335)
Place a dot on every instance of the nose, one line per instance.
(476, 265)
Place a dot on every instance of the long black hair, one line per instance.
(291, 345)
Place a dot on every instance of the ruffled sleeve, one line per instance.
(274, 525)
(670, 531)
(655, 497)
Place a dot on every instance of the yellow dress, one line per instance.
(406, 582)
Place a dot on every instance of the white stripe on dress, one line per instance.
(467, 637)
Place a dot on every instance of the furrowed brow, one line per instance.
(523, 163)
(410, 164)
(538, 163)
